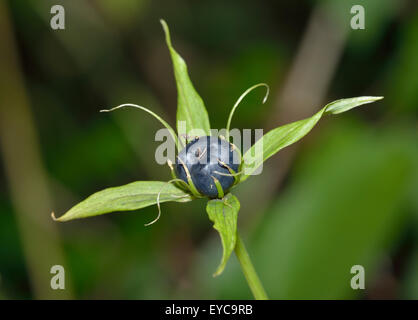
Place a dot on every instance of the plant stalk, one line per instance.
(249, 272)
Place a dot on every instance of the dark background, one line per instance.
(344, 195)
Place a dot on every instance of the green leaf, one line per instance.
(342, 105)
(281, 137)
(132, 196)
(224, 214)
(190, 106)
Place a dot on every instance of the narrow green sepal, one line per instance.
(190, 183)
(218, 187)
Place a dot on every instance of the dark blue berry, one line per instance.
(206, 157)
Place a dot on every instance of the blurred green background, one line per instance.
(345, 195)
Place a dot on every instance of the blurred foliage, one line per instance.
(348, 202)
(349, 197)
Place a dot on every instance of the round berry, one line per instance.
(206, 158)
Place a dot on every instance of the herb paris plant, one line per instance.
(207, 166)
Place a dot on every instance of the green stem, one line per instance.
(249, 272)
